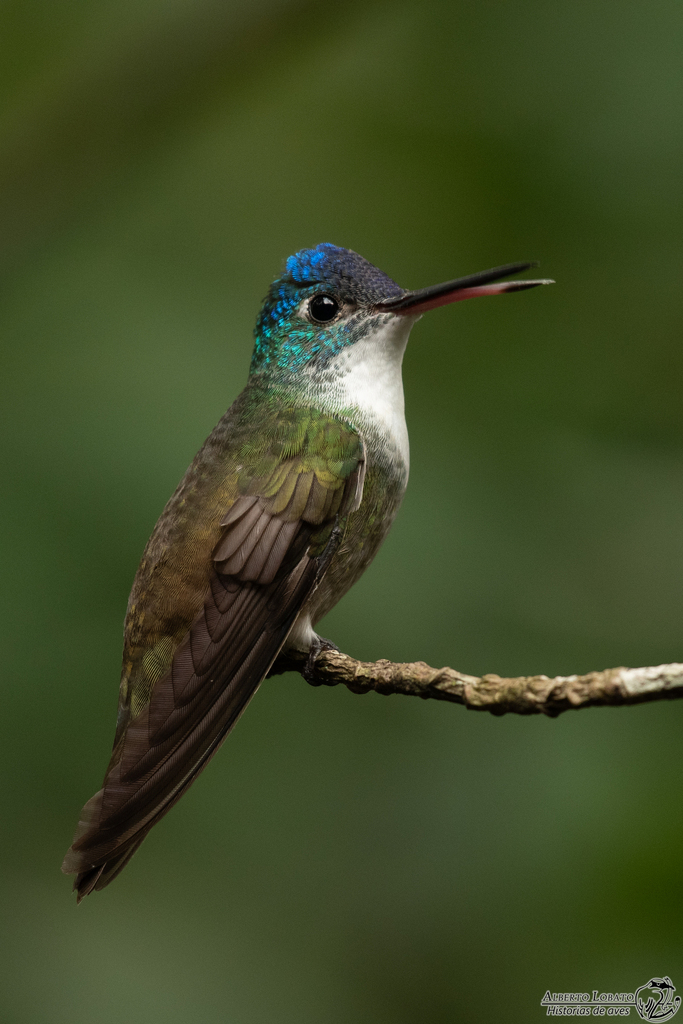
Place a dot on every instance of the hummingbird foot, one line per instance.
(318, 645)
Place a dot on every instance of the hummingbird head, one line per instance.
(324, 301)
(329, 298)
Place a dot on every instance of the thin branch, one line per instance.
(523, 695)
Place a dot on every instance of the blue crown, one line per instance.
(342, 270)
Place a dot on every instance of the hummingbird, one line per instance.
(281, 511)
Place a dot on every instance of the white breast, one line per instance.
(367, 376)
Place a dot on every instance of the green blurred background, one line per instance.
(349, 859)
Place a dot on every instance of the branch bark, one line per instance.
(523, 695)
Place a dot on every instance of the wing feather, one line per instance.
(282, 495)
(243, 526)
(297, 503)
(238, 509)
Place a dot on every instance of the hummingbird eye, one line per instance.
(323, 308)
